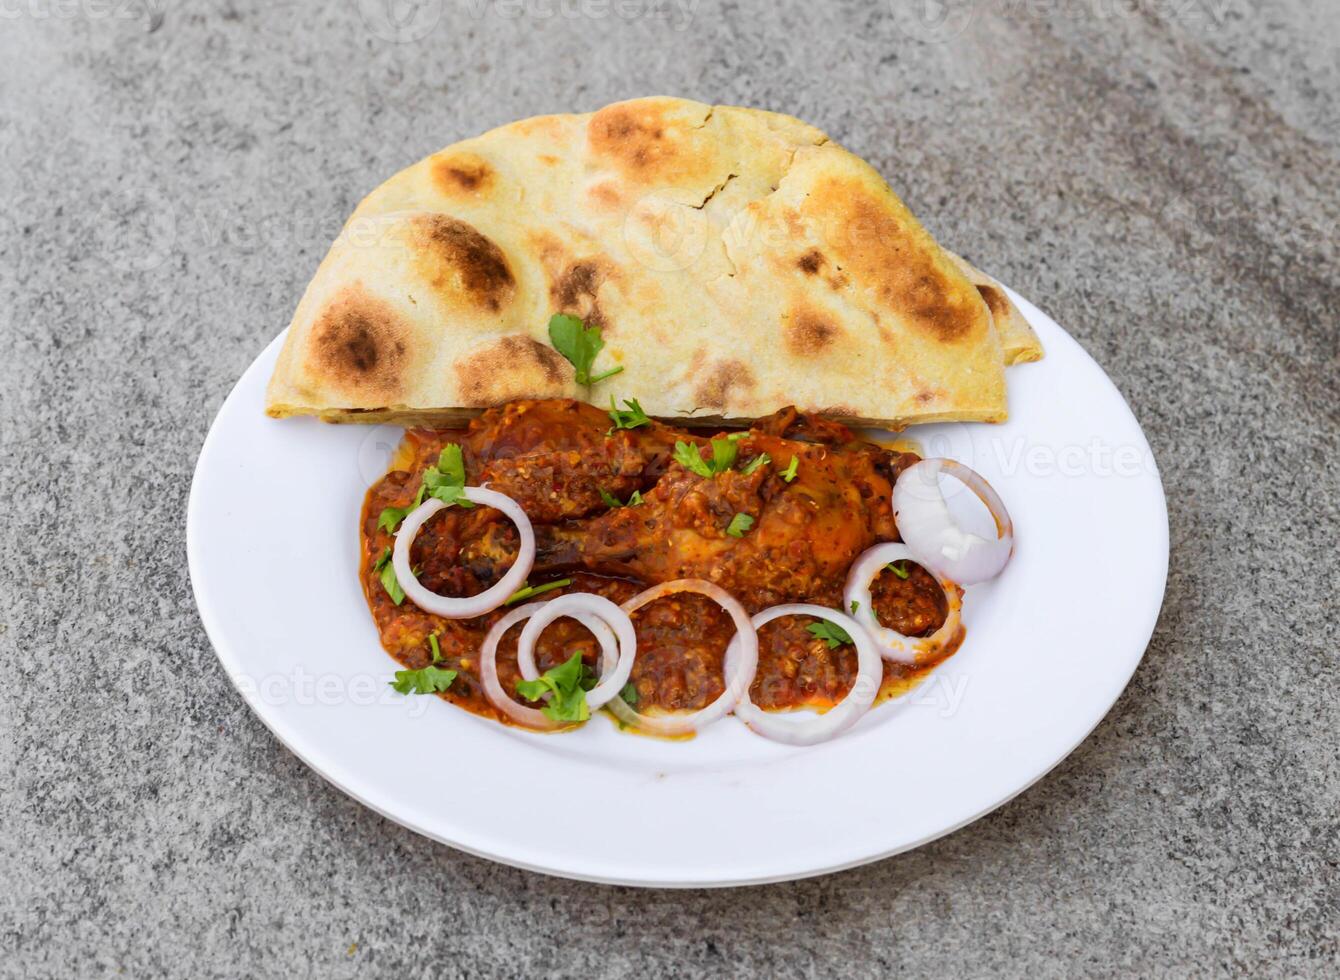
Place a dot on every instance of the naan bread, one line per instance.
(737, 261)
(1017, 339)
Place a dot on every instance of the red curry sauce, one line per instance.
(681, 638)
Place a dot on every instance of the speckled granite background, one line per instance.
(1160, 174)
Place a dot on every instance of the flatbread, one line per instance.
(1017, 340)
(736, 261)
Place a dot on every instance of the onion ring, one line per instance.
(491, 598)
(936, 539)
(840, 717)
(579, 606)
(891, 644)
(738, 675)
(488, 664)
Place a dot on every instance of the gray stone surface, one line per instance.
(1161, 175)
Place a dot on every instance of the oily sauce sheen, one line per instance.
(554, 458)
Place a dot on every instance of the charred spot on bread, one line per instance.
(359, 344)
(883, 247)
(995, 301)
(720, 380)
(808, 333)
(811, 262)
(462, 173)
(574, 290)
(511, 367)
(454, 256)
(647, 142)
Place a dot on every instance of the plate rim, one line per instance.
(212, 623)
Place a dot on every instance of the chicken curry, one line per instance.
(619, 502)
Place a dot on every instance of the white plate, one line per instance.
(272, 540)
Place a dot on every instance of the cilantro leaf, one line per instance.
(723, 456)
(451, 495)
(762, 459)
(854, 606)
(389, 519)
(629, 419)
(739, 524)
(433, 478)
(564, 683)
(789, 473)
(446, 480)
(724, 452)
(389, 581)
(899, 568)
(426, 680)
(529, 591)
(451, 463)
(580, 345)
(688, 456)
(613, 501)
(629, 693)
(392, 584)
(831, 633)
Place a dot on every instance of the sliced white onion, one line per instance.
(937, 541)
(488, 663)
(476, 605)
(893, 645)
(582, 606)
(739, 675)
(837, 719)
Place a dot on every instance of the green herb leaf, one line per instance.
(579, 344)
(899, 568)
(739, 524)
(854, 606)
(762, 459)
(629, 419)
(529, 591)
(426, 680)
(451, 463)
(446, 480)
(831, 633)
(724, 452)
(564, 682)
(389, 581)
(789, 473)
(629, 693)
(688, 456)
(392, 584)
(613, 501)
(390, 518)
(451, 495)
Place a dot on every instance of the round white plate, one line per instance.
(273, 545)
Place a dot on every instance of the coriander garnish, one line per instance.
(739, 524)
(529, 591)
(579, 344)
